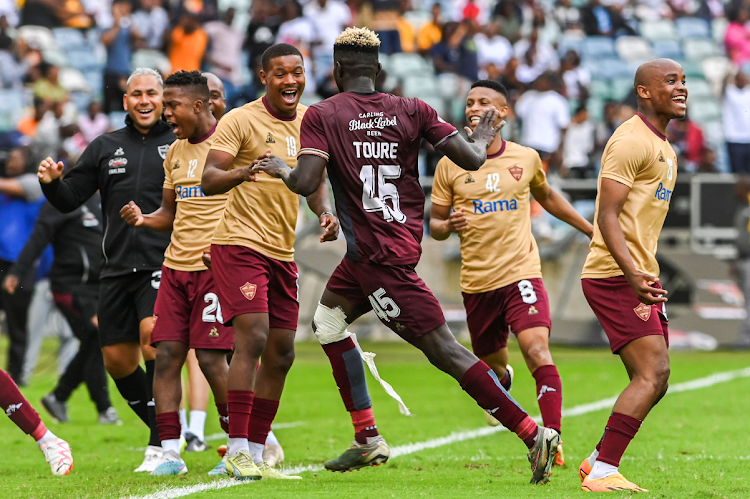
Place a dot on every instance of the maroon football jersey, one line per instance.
(371, 143)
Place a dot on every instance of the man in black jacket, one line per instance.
(76, 238)
(125, 165)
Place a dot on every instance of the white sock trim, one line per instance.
(256, 450)
(592, 458)
(236, 445)
(197, 424)
(172, 444)
(271, 439)
(602, 470)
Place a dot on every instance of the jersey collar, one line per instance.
(210, 132)
(498, 153)
(652, 127)
(274, 113)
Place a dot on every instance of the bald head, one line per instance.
(655, 70)
(217, 100)
(660, 88)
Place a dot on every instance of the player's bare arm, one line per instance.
(470, 154)
(443, 222)
(305, 179)
(49, 170)
(611, 200)
(161, 220)
(560, 208)
(218, 179)
(320, 203)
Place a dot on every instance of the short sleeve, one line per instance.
(623, 158)
(442, 185)
(433, 128)
(312, 136)
(230, 134)
(540, 178)
(168, 169)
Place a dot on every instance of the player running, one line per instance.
(18, 409)
(252, 253)
(621, 275)
(187, 308)
(369, 142)
(501, 274)
(123, 165)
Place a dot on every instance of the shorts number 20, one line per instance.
(212, 312)
(385, 308)
(527, 291)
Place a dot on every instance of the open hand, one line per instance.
(132, 214)
(49, 170)
(642, 284)
(330, 226)
(485, 130)
(272, 166)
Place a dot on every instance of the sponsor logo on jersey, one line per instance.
(249, 290)
(163, 149)
(116, 171)
(533, 310)
(516, 171)
(379, 123)
(270, 139)
(12, 408)
(214, 333)
(662, 193)
(493, 206)
(118, 162)
(119, 152)
(189, 192)
(469, 179)
(643, 312)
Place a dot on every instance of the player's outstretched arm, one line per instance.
(320, 203)
(443, 222)
(305, 179)
(80, 183)
(218, 179)
(472, 153)
(559, 207)
(161, 220)
(612, 197)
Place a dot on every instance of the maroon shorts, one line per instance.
(399, 297)
(492, 315)
(187, 310)
(250, 282)
(623, 317)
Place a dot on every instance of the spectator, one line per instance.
(577, 78)
(456, 53)
(224, 52)
(510, 16)
(55, 13)
(118, 39)
(152, 23)
(9, 10)
(688, 142)
(599, 20)
(296, 30)
(736, 116)
(15, 60)
(188, 44)
(48, 86)
(608, 125)
(432, 32)
(545, 56)
(385, 23)
(20, 200)
(737, 37)
(492, 47)
(92, 124)
(329, 17)
(579, 144)
(407, 34)
(28, 125)
(261, 34)
(567, 16)
(545, 116)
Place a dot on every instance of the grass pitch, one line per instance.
(693, 445)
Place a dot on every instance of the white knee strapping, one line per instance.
(330, 327)
(330, 324)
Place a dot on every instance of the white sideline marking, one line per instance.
(276, 426)
(460, 436)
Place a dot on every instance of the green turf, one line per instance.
(691, 446)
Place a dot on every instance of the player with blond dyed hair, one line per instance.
(369, 143)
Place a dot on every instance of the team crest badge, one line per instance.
(248, 290)
(533, 310)
(643, 312)
(214, 333)
(269, 139)
(516, 171)
(469, 179)
(163, 150)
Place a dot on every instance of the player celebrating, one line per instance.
(369, 142)
(501, 275)
(621, 274)
(252, 253)
(187, 308)
(123, 165)
(56, 450)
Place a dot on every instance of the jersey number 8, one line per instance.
(527, 291)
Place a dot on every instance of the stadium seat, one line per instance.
(713, 131)
(670, 49)
(37, 36)
(719, 29)
(11, 100)
(692, 69)
(449, 85)
(152, 59)
(601, 88)
(309, 98)
(417, 18)
(699, 89)
(566, 43)
(621, 87)
(68, 38)
(662, 29)
(55, 56)
(458, 111)
(595, 47)
(595, 108)
(403, 65)
(385, 61)
(633, 48)
(716, 68)
(95, 83)
(698, 49)
(437, 103)
(81, 100)
(85, 59)
(693, 27)
(704, 110)
(420, 86)
(117, 119)
(73, 80)
(608, 68)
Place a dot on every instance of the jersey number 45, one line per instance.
(375, 200)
